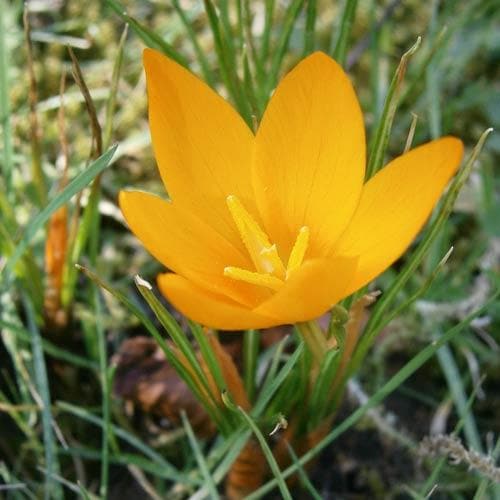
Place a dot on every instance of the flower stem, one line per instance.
(314, 339)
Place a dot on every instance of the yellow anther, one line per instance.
(264, 255)
(271, 261)
(298, 251)
(260, 279)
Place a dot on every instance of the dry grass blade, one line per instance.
(94, 122)
(35, 134)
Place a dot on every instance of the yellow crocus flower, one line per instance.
(275, 227)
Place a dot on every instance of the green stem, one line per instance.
(314, 339)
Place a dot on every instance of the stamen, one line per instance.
(298, 251)
(272, 261)
(260, 279)
(264, 255)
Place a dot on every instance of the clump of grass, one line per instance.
(63, 431)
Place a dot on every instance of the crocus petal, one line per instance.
(202, 146)
(310, 155)
(395, 204)
(209, 309)
(311, 290)
(186, 245)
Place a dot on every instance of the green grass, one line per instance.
(428, 341)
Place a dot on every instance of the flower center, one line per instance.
(270, 270)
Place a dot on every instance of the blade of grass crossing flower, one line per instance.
(392, 384)
(250, 353)
(7, 163)
(273, 465)
(348, 14)
(179, 338)
(171, 326)
(169, 354)
(42, 384)
(373, 326)
(457, 390)
(309, 31)
(73, 187)
(208, 74)
(384, 126)
(291, 16)
(200, 459)
(149, 37)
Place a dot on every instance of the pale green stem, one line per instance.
(314, 339)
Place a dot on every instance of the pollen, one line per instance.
(270, 272)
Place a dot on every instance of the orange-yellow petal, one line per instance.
(395, 204)
(202, 146)
(209, 309)
(311, 290)
(310, 156)
(186, 245)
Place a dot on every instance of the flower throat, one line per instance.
(270, 271)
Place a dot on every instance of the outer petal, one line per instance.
(311, 291)
(310, 155)
(186, 245)
(207, 308)
(395, 204)
(202, 146)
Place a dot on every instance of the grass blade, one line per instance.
(208, 74)
(73, 187)
(291, 16)
(374, 323)
(273, 465)
(391, 103)
(309, 33)
(149, 37)
(340, 50)
(51, 489)
(200, 459)
(392, 384)
(7, 162)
